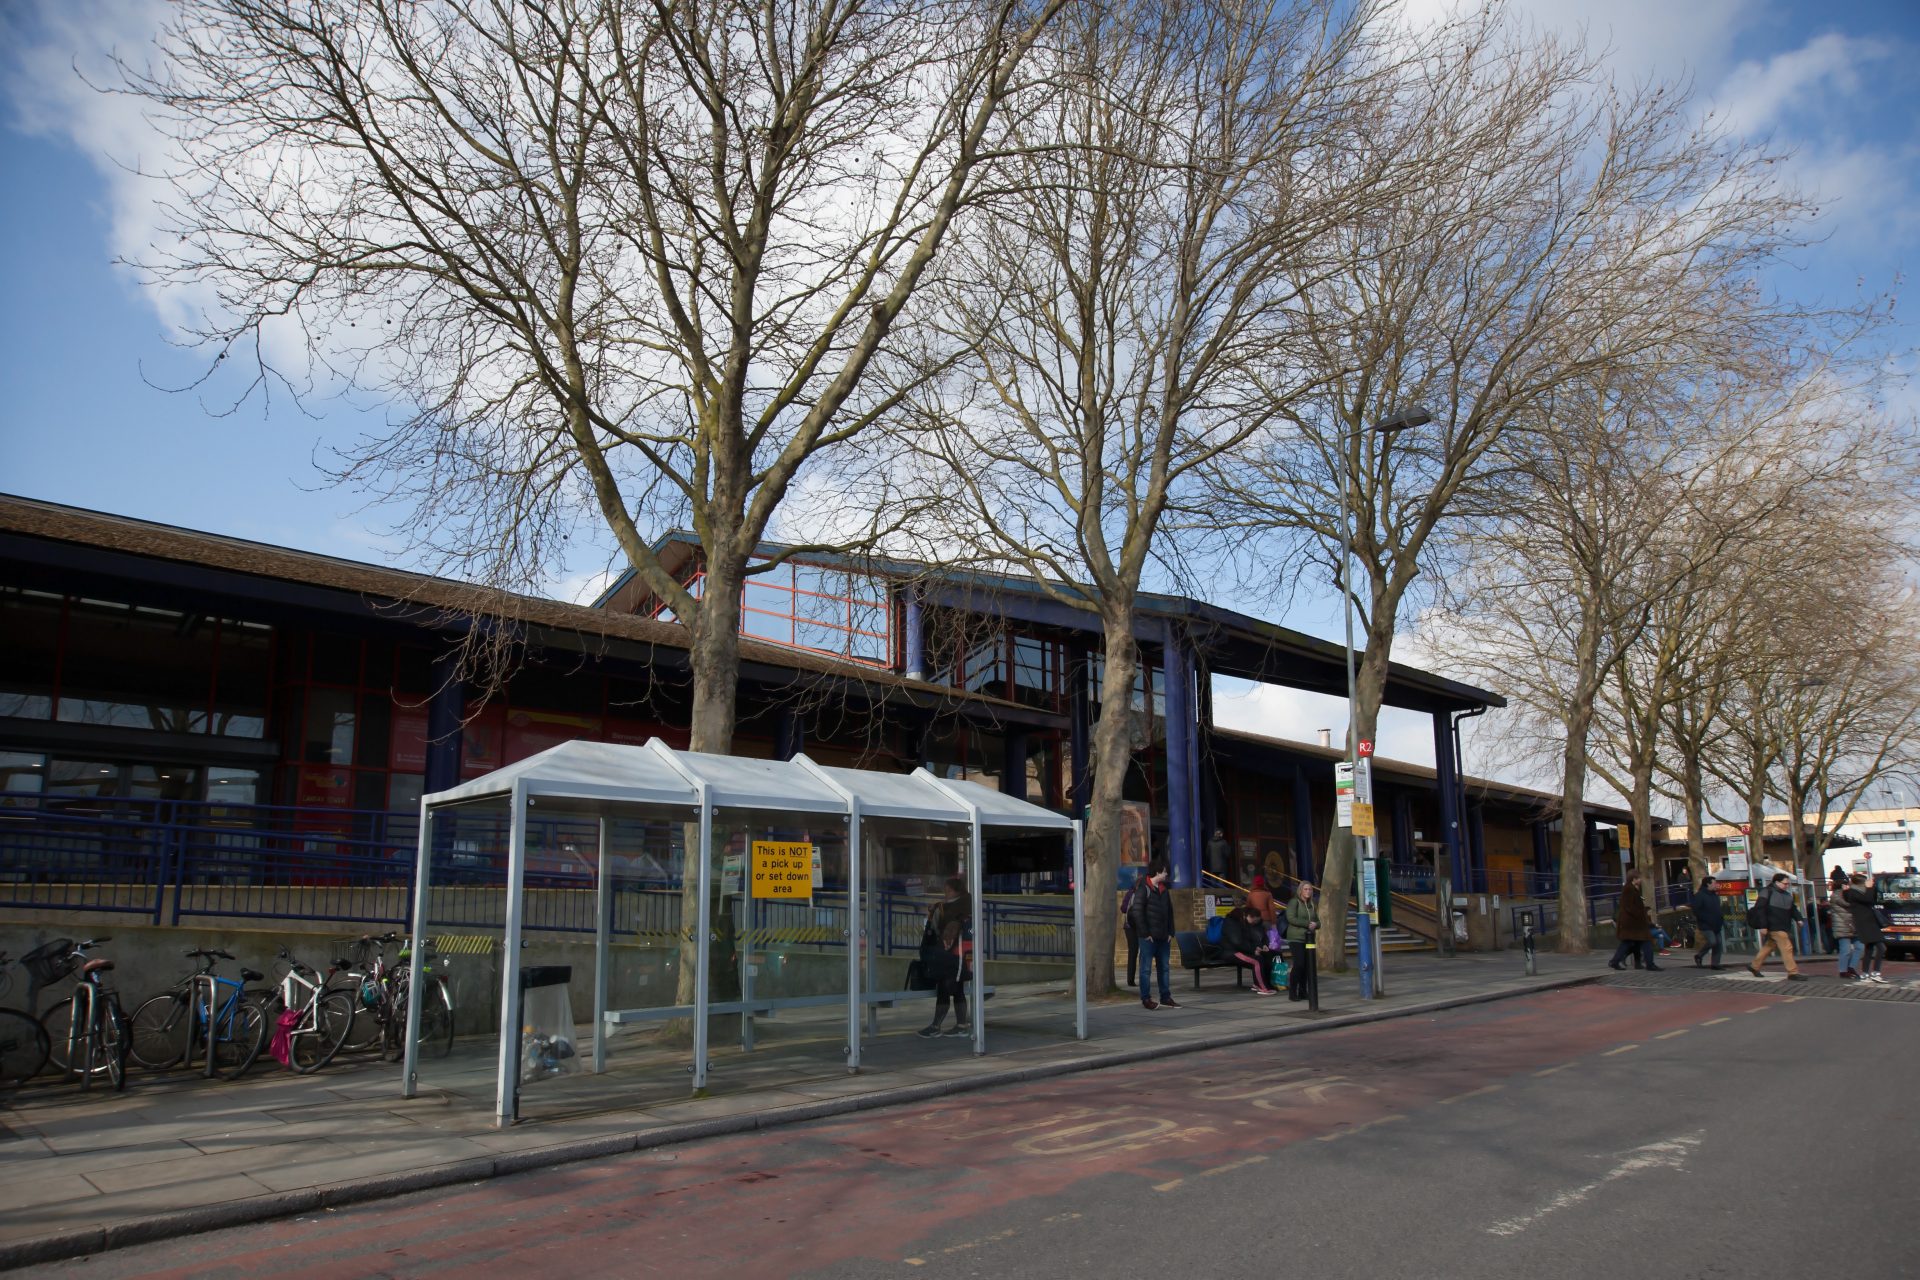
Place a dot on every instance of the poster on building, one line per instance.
(732, 868)
(784, 870)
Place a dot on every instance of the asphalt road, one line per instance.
(1588, 1132)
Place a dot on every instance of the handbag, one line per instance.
(917, 977)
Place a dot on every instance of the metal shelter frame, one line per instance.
(611, 777)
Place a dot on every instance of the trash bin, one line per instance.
(547, 1038)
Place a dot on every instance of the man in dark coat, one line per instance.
(1710, 917)
(1778, 913)
(1153, 921)
(1632, 925)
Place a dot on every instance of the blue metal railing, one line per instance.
(175, 860)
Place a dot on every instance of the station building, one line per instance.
(179, 687)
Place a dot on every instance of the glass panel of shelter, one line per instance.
(780, 883)
(645, 1047)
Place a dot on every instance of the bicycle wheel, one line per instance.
(23, 1048)
(367, 1030)
(62, 1036)
(161, 1031)
(238, 1039)
(110, 1044)
(331, 1017)
(436, 1021)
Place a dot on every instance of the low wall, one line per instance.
(148, 960)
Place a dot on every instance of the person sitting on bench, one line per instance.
(1244, 936)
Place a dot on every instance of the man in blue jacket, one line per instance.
(1710, 918)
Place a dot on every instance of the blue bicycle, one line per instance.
(204, 1018)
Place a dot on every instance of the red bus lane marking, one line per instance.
(874, 1186)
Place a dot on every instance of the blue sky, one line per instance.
(88, 418)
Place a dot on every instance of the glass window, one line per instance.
(227, 785)
(82, 778)
(1036, 671)
(135, 667)
(30, 621)
(336, 660)
(404, 791)
(328, 738)
(163, 781)
(245, 679)
(21, 775)
(375, 731)
(982, 668)
(413, 672)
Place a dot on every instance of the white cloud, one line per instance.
(1760, 95)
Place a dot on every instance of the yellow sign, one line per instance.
(784, 869)
(1362, 818)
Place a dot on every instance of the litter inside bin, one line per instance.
(547, 1036)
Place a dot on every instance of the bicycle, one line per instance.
(169, 1029)
(315, 1019)
(370, 990)
(436, 1006)
(24, 1046)
(87, 1032)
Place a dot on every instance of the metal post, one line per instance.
(602, 936)
(506, 1104)
(703, 937)
(1357, 844)
(1079, 934)
(1313, 975)
(856, 882)
(410, 1066)
(1526, 942)
(975, 882)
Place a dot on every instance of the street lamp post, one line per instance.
(1368, 940)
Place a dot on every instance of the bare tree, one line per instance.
(1128, 305)
(1562, 229)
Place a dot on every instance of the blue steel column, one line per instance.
(1304, 860)
(1477, 845)
(1542, 857)
(1182, 855)
(1013, 770)
(1403, 828)
(1449, 787)
(916, 636)
(1079, 729)
(445, 710)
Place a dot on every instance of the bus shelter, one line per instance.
(773, 886)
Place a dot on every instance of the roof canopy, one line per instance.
(658, 774)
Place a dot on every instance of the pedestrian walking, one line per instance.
(1777, 914)
(1632, 925)
(1153, 921)
(1863, 905)
(1847, 946)
(1710, 918)
(943, 952)
(1244, 936)
(1303, 922)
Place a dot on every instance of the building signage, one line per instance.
(785, 870)
(1363, 819)
(1736, 853)
(1370, 888)
(1352, 783)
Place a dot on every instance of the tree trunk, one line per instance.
(1572, 935)
(1112, 756)
(1336, 873)
(1640, 802)
(1693, 792)
(715, 658)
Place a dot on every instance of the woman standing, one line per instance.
(1861, 901)
(1302, 923)
(1840, 915)
(943, 951)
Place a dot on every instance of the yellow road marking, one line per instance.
(1714, 1022)
(1668, 1035)
(1625, 1048)
(1550, 1070)
(1471, 1093)
(1343, 1133)
(1169, 1186)
(916, 1262)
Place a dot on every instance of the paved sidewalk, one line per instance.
(83, 1172)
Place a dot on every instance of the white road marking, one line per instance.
(1668, 1035)
(1625, 1048)
(1669, 1154)
(1471, 1093)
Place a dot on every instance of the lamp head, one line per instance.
(1403, 418)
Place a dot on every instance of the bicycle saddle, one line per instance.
(250, 975)
(96, 966)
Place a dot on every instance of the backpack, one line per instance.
(1757, 913)
(1214, 926)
